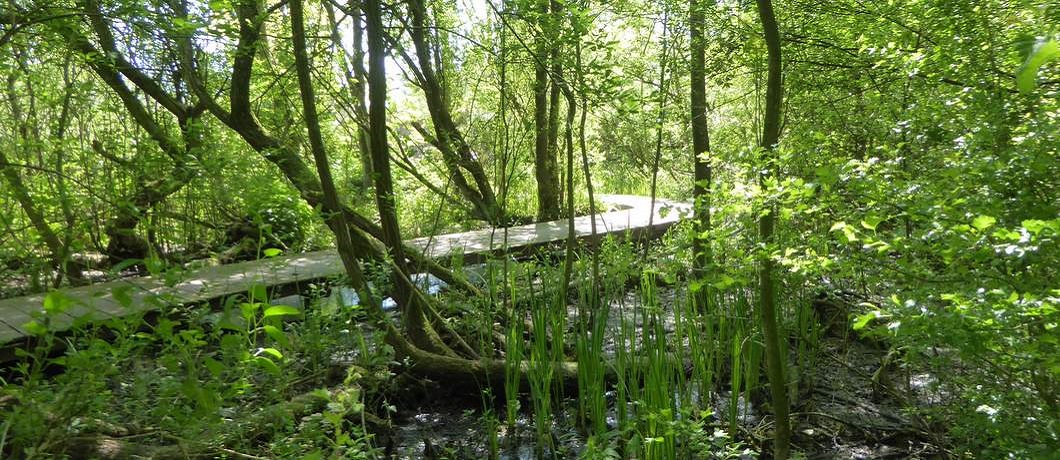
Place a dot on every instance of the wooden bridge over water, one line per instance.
(99, 302)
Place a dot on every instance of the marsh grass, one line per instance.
(652, 366)
(652, 363)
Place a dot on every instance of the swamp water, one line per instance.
(837, 414)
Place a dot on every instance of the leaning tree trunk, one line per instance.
(775, 360)
(417, 326)
(458, 157)
(334, 216)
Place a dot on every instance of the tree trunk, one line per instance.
(457, 153)
(775, 360)
(334, 216)
(546, 170)
(417, 326)
(660, 120)
(700, 148)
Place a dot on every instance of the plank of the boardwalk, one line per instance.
(8, 333)
(16, 319)
(100, 301)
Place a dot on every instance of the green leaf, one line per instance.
(1006, 234)
(838, 226)
(864, 320)
(850, 234)
(271, 252)
(276, 334)
(56, 302)
(248, 309)
(35, 328)
(281, 310)
(871, 222)
(219, 5)
(267, 364)
(214, 366)
(258, 293)
(1042, 53)
(1035, 226)
(274, 353)
(983, 222)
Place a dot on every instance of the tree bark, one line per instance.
(418, 328)
(775, 360)
(701, 246)
(546, 171)
(457, 153)
(335, 218)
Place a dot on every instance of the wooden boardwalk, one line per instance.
(99, 302)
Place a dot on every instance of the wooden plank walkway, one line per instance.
(97, 302)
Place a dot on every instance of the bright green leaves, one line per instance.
(871, 222)
(220, 5)
(982, 223)
(35, 328)
(849, 233)
(271, 252)
(863, 320)
(267, 364)
(1041, 53)
(249, 310)
(271, 353)
(56, 302)
(258, 320)
(1036, 227)
(281, 310)
(865, 232)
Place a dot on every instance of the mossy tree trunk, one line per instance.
(700, 145)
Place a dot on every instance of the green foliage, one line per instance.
(917, 175)
(1043, 52)
(183, 379)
